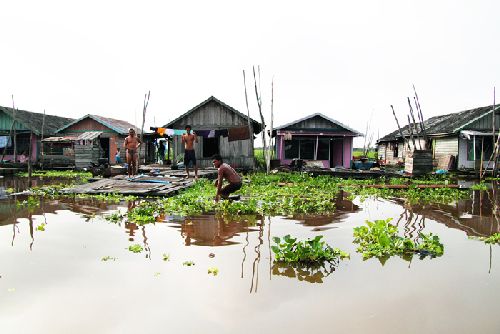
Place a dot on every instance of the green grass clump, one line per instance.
(380, 239)
(136, 248)
(309, 252)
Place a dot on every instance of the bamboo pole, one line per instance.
(414, 125)
(268, 156)
(411, 133)
(29, 158)
(399, 127)
(258, 96)
(15, 135)
(41, 133)
(248, 118)
(144, 109)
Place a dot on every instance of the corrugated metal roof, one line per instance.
(59, 139)
(89, 135)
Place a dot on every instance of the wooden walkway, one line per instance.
(141, 185)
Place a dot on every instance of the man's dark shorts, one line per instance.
(230, 188)
(189, 156)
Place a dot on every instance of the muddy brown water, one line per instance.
(54, 281)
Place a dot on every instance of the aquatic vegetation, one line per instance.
(67, 174)
(188, 263)
(492, 239)
(380, 239)
(166, 257)
(310, 251)
(115, 217)
(41, 227)
(108, 258)
(311, 274)
(30, 203)
(136, 248)
(214, 271)
(10, 190)
(479, 186)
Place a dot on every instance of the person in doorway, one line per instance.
(118, 159)
(161, 151)
(189, 156)
(224, 171)
(131, 144)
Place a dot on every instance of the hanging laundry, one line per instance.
(169, 132)
(287, 136)
(239, 133)
(211, 134)
(179, 132)
(221, 133)
(161, 131)
(4, 141)
(202, 133)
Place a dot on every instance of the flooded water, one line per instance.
(53, 279)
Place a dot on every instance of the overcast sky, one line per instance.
(349, 60)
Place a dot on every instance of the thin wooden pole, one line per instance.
(15, 135)
(411, 133)
(258, 96)
(41, 140)
(399, 127)
(414, 125)
(29, 158)
(144, 109)
(248, 119)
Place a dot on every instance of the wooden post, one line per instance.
(399, 128)
(29, 158)
(41, 140)
(248, 120)
(258, 96)
(144, 108)
(15, 135)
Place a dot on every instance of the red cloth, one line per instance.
(239, 133)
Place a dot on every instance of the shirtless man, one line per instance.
(189, 139)
(131, 145)
(225, 172)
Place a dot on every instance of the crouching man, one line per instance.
(225, 172)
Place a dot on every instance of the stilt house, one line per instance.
(92, 137)
(316, 137)
(467, 136)
(213, 114)
(16, 128)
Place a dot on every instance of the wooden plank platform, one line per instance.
(160, 184)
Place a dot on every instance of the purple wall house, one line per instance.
(315, 138)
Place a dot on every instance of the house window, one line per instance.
(22, 145)
(486, 145)
(210, 147)
(305, 148)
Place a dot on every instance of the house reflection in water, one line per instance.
(212, 230)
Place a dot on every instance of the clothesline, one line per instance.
(233, 134)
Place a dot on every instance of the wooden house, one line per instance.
(316, 137)
(213, 114)
(18, 126)
(92, 137)
(465, 136)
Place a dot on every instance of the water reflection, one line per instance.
(215, 230)
(478, 216)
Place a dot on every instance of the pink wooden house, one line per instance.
(315, 138)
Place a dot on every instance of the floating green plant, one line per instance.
(188, 263)
(68, 174)
(136, 248)
(31, 203)
(108, 258)
(114, 217)
(492, 239)
(166, 257)
(41, 227)
(310, 251)
(380, 239)
(214, 271)
(479, 186)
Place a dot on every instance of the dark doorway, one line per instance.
(336, 152)
(104, 147)
(210, 147)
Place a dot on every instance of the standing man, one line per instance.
(131, 144)
(189, 156)
(225, 172)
